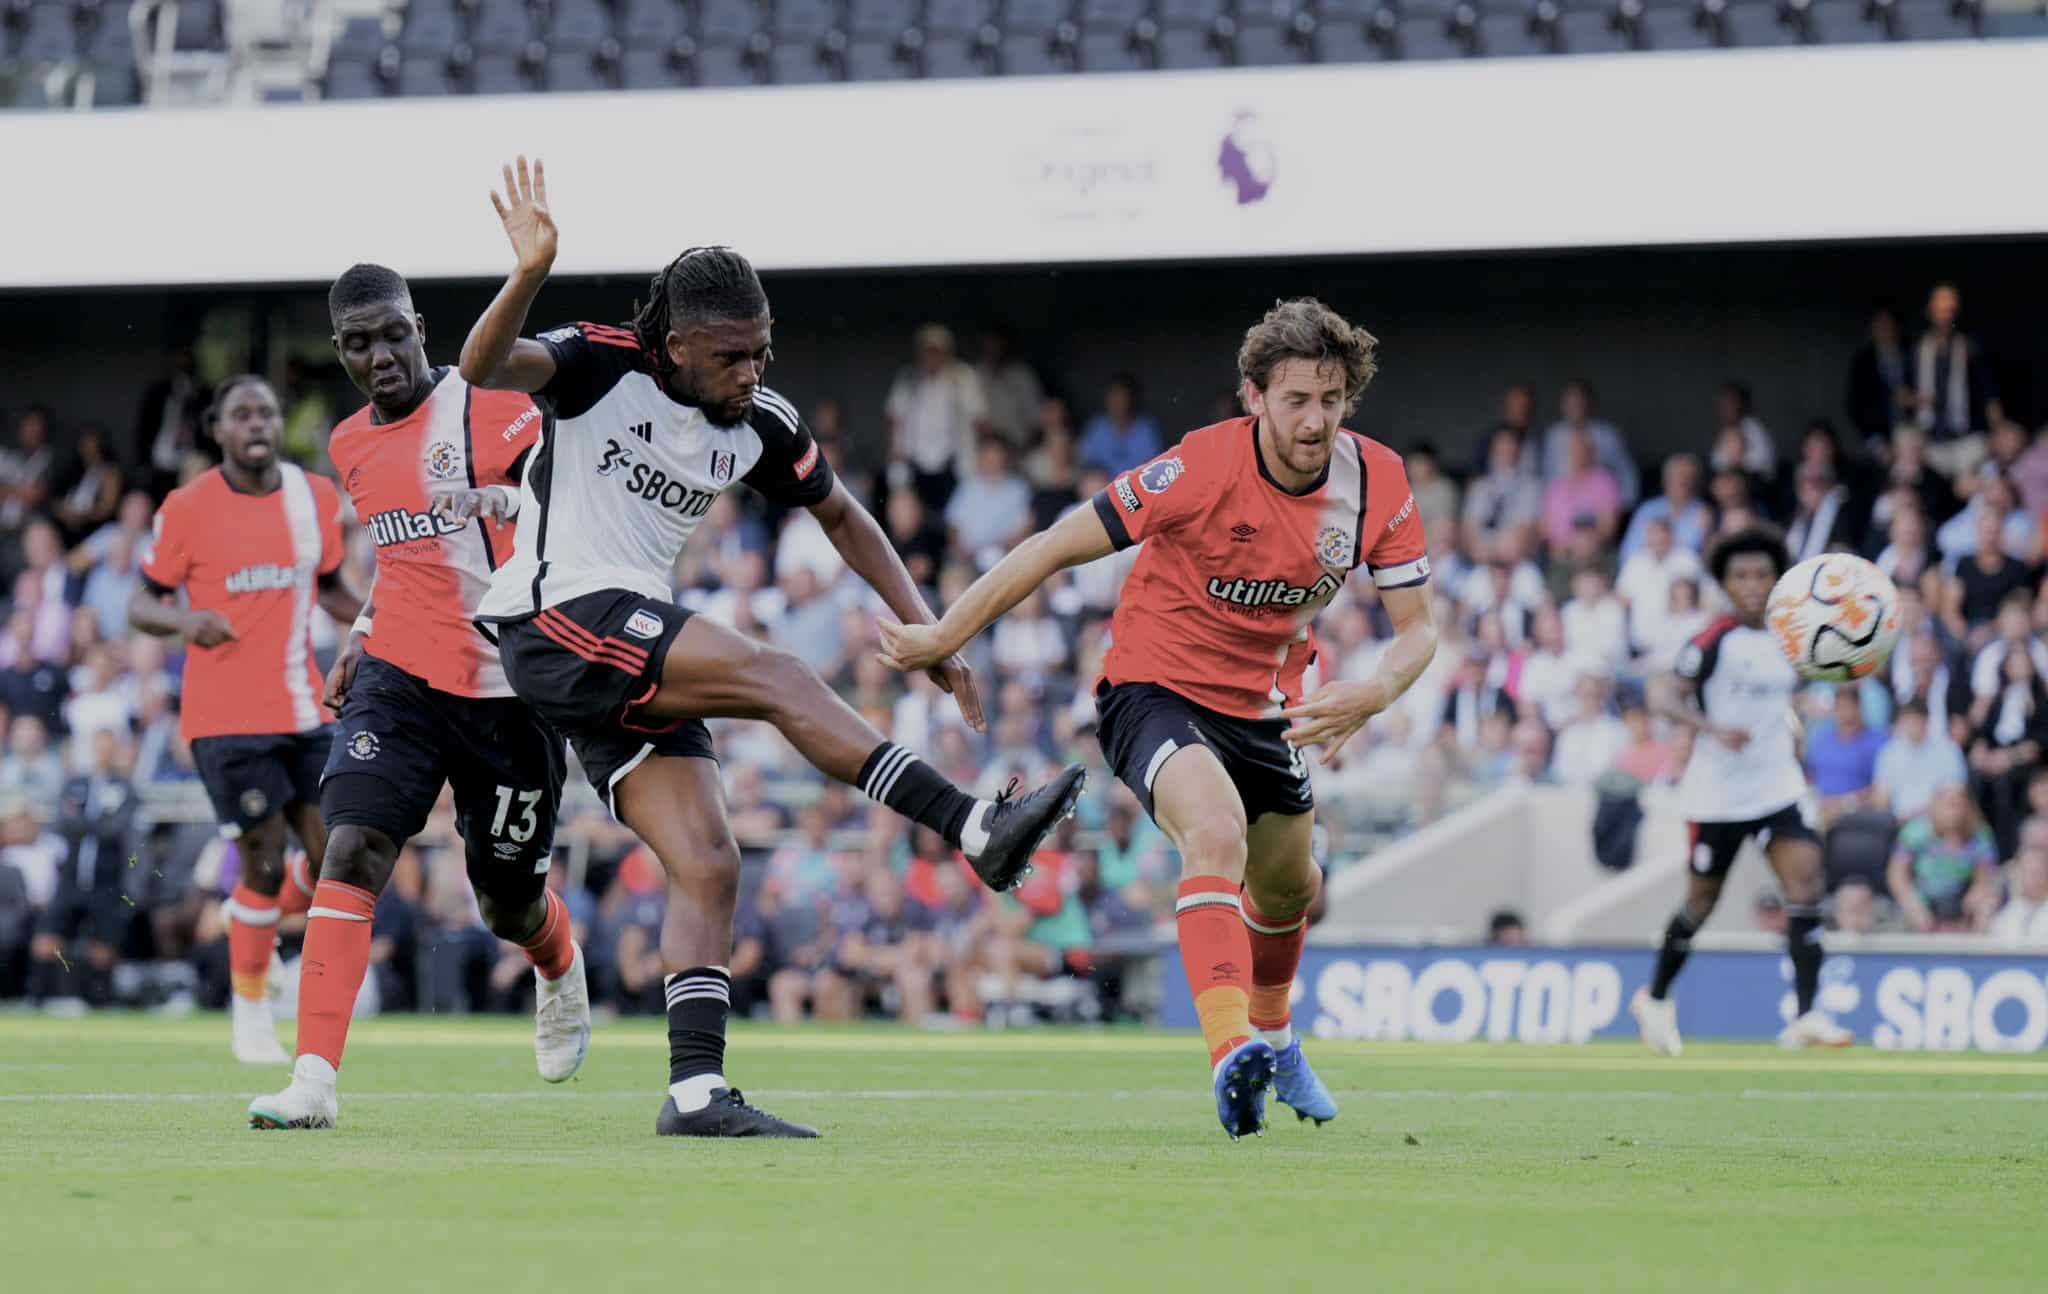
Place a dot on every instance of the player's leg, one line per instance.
(674, 802)
(1795, 856)
(1281, 881)
(249, 782)
(507, 792)
(709, 671)
(1711, 852)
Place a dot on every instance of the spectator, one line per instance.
(1646, 577)
(1011, 388)
(809, 624)
(1541, 679)
(1517, 419)
(1841, 757)
(991, 510)
(93, 904)
(1686, 516)
(1921, 673)
(877, 951)
(167, 423)
(1740, 441)
(31, 769)
(17, 924)
(28, 471)
(633, 910)
(1683, 620)
(1505, 499)
(1953, 394)
(1581, 495)
(1769, 913)
(394, 935)
(1530, 763)
(935, 409)
(30, 684)
(2012, 631)
(1590, 744)
(1595, 623)
(1944, 870)
(1644, 755)
(1906, 554)
(1917, 760)
(1990, 519)
(920, 544)
(1122, 435)
(2011, 733)
(1820, 520)
(91, 500)
(1910, 472)
(1054, 468)
(2023, 921)
(1027, 643)
(110, 584)
(100, 702)
(2028, 469)
(1880, 388)
(1436, 495)
(1855, 907)
(1504, 929)
(1575, 407)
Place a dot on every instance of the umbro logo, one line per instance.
(644, 430)
(1242, 533)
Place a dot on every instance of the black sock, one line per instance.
(1802, 944)
(1671, 954)
(698, 1000)
(913, 788)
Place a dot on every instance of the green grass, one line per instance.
(1037, 1161)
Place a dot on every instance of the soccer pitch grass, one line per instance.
(1040, 1161)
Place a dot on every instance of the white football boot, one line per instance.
(308, 1102)
(1658, 1019)
(561, 1021)
(255, 1033)
(1814, 1029)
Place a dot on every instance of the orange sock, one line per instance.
(252, 934)
(297, 894)
(1215, 950)
(1276, 955)
(552, 949)
(332, 967)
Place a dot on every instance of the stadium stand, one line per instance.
(87, 53)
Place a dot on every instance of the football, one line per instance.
(1836, 616)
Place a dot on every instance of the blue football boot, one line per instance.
(1241, 1083)
(1298, 1087)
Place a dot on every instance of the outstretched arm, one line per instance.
(1075, 539)
(494, 355)
(337, 599)
(155, 610)
(866, 548)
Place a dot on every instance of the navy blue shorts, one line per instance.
(251, 777)
(588, 665)
(400, 740)
(1140, 725)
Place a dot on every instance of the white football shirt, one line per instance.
(1743, 681)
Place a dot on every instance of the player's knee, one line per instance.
(781, 679)
(1213, 844)
(1285, 896)
(358, 856)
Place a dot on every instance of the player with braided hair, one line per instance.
(643, 428)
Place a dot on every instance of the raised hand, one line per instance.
(911, 647)
(524, 211)
(493, 502)
(1336, 711)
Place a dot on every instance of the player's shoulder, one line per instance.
(1717, 629)
(1375, 455)
(195, 494)
(1209, 457)
(603, 337)
(774, 415)
(591, 361)
(326, 493)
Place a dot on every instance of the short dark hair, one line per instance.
(1505, 919)
(704, 284)
(366, 285)
(1762, 539)
(1305, 328)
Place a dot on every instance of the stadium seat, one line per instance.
(649, 67)
(876, 60)
(1185, 50)
(1426, 38)
(1859, 846)
(1840, 22)
(1110, 15)
(1344, 42)
(114, 85)
(1032, 17)
(1759, 24)
(800, 62)
(499, 74)
(358, 41)
(1589, 33)
(425, 74)
(956, 17)
(803, 21)
(1509, 35)
(501, 27)
(2013, 22)
(1030, 54)
(645, 26)
(1197, 15)
(351, 79)
(1110, 50)
(952, 56)
(431, 29)
(1264, 45)
(574, 71)
(881, 20)
(725, 65)
(199, 25)
(577, 26)
(1929, 20)
(727, 23)
(1663, 28)
(48, 35)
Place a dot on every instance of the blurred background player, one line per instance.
(1253, 524)
(255, 543)
(1744, 781)
(649, 425)
(422, 697)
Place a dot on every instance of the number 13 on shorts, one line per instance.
(519, 830)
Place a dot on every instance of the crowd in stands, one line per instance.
(1568, 572)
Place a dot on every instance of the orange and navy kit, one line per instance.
(429, 704)
(251, 706)
(1211, 635)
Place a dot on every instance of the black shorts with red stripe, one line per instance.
(587, 666)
